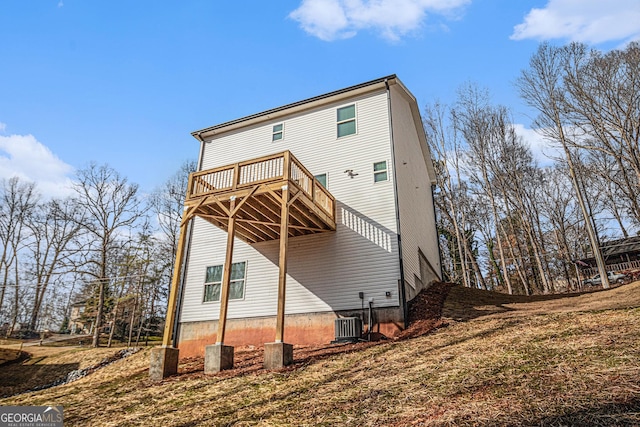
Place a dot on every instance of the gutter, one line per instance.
(435, 218)
(403, 292)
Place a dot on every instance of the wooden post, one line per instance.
(190, 184)
(236, 176)
(282, 259)
(286, 166)
(226, 277)
(175, 282)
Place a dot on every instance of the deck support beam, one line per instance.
(279, 354)
(276, 194)
(282, 263)
(219, 357)
(226, 280)
(164, 360)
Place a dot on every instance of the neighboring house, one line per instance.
(77, 318)
(355, 173)
(618, 255)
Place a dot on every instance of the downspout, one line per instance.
(435, 218)
(403, 293)
(176, 322)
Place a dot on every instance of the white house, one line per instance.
(348, 174)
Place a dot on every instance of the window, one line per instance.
(322, 179)
(278, 132)
(380, 171)
(213, 282)
(346, 120)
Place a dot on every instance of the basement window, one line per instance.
(347, 120)
(277, 132)
(213, 282)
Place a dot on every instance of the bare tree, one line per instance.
(17, 202)
(558, 206)
(54, 229)
(167, 203)
(444, 141)
(603, 101)
(473, 117)
(110, 206)
(541, 86)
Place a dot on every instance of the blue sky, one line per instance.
(125, 82)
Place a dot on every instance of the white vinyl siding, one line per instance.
(326, 271)
(417, 223)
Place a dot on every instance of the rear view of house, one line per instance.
(307, 213)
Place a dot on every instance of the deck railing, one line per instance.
(276, 167)
(627, 265)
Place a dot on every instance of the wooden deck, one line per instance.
(252, 193)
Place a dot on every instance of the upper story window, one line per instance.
(213, 282)
(322, 179)
(347, 120)
(380, 172)
(277, 132)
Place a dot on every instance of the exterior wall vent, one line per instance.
(348, 329)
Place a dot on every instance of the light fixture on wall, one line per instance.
(350, 173)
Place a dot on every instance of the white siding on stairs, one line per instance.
(326, 271)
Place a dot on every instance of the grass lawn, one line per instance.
(497, 360)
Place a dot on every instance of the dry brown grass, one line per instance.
(551, 361)
(44, 365)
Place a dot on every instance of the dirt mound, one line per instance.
(425, 310)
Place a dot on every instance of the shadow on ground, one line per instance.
(17, 378)
(611, 414)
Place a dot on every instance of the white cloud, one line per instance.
(60, 4)
(3, 126)
(340, 19)
(25, 157)
(589, 21)
(543, 151)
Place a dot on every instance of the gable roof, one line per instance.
(327, 98)
(295, 106)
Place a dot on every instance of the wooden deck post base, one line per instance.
(217, 357)
(277, 355)
(164, 362)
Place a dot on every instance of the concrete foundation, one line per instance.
(277, 355)
(164, 362)
(301, 329)
(217, 357)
